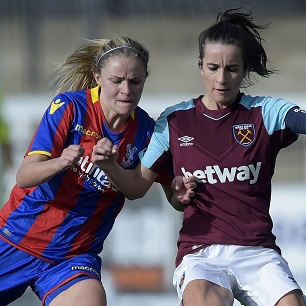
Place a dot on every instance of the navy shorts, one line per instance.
(19, 270)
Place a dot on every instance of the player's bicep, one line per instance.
(35, 158)
(28, 173)
(31, 160)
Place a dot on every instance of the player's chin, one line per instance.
(127, 110)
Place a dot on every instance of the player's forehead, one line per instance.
(216, 52)
(123, 65)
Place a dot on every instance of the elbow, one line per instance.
(21, 181)
(21, 184)
(134, 192)
(180, 209)
(135, 196)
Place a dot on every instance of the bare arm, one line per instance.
(38, 169)
(171, 198)
(133, 183)
(181, 191)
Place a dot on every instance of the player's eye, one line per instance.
(116, 81)
(135, 81)
(213, 67)
(232, 69)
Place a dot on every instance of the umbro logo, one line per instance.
(186, 141)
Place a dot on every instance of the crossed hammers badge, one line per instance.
(244, 134)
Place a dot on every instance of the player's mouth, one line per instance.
(126, 101)
(221, 91)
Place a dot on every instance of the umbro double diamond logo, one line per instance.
(186, 141)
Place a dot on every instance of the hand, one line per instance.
(104, 154)
(183, 188)
(70, 156)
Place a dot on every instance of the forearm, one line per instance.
(172, 199)
(35, 173)
(182, 191)
(131, 183)
(37, 169)
(176, 204)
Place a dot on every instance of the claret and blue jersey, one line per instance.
(74, 212)
(232, 152)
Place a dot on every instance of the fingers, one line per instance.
(177, 183)
(104, 148)
(71, 156)
(188, 182)
(183, 188)
(186, 198)
(103, 151)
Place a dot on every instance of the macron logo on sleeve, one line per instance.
(213, 174)
(55, 105)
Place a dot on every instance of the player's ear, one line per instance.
(200, 65)
(97, 77)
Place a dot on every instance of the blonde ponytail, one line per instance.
(76, 72)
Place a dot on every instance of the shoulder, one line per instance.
(266, 102)
(141, 112)
(273, 110)
(72, 96)
(64, 99)
(182, 106)
(169, 112)
(143, 117)
(67, 100)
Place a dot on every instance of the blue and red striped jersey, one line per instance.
(232, 152)
(73, 212)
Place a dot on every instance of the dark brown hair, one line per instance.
(235, 27)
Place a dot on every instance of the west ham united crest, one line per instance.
(244, 134)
